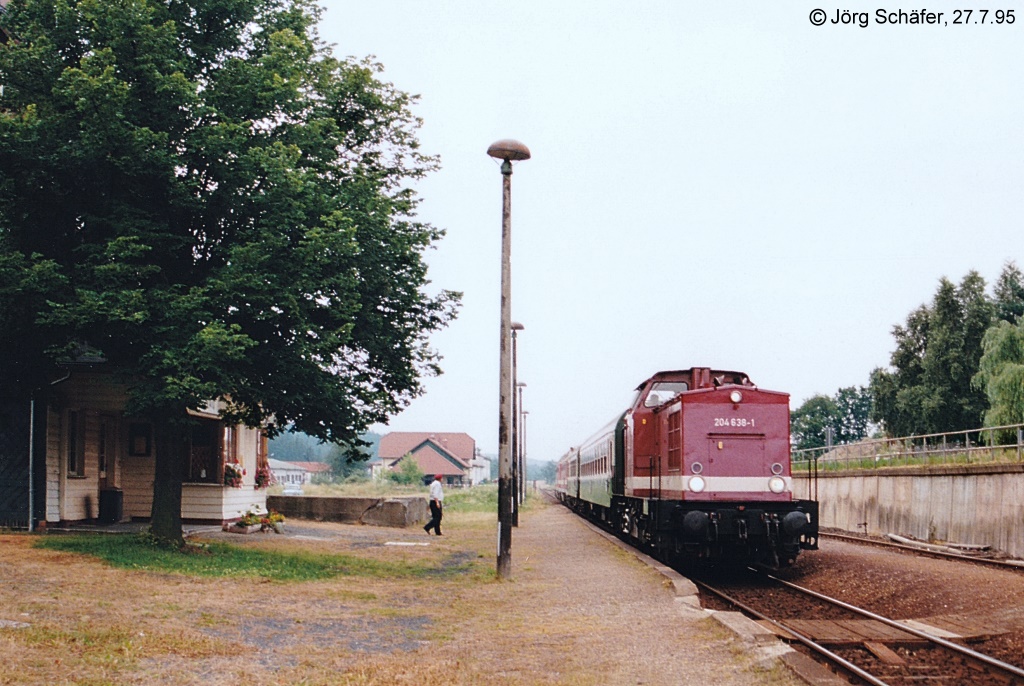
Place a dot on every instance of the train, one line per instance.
(697, 470)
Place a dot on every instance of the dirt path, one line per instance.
(581, 610)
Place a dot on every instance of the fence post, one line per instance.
(1020, 435)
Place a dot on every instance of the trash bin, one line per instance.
(111, 505)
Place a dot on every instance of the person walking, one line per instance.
(436, 505)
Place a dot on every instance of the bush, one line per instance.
(408, 472)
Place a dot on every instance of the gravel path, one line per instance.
(596, 608)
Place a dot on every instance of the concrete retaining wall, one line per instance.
(979, 504)
(397, 512)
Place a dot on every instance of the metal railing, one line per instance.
(997, 444)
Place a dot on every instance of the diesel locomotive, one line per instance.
(697, 469)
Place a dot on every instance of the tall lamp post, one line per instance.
(507, 151)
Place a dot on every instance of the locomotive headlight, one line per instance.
(736, 397)
(777, 484)
(697, 484)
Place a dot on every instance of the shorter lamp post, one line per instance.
(517, 464)
(522, 456)
(516, 500)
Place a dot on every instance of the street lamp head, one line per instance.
(521, 384)
(516, 326)
(509, 150)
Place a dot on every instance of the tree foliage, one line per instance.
(1001, 373)
(929, 389)
(199, 191)
(407, 473)
(847, 414)
(1009, 294)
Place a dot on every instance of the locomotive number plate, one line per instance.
(734, 421)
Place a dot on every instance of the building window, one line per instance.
(229, 445)
(204, 454)
(76, 443)
(140, 440)
(103, 449)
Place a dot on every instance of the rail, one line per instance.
(990, 445)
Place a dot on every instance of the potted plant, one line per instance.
(274, 520)
(248, 523)
(264, 477)
(232, 475)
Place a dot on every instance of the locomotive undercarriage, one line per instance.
(766, 534)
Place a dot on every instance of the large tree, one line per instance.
(1001, 373)
(929, 389)
(201, 193)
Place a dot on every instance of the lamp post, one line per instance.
(522, 449)
(516, 500)
(516, 464)
(507, 151)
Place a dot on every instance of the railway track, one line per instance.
(1015, 565)
(872, 648)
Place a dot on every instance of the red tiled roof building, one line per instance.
(448, 454)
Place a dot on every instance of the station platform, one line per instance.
(646, 622)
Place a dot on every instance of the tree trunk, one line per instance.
(170, 444)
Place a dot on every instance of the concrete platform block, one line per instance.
(395, 512)
(745, 628)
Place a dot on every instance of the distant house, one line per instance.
(316, 469)
(448, 454)
(298, 473)
(288, 473)
(89, 460)
(479, 469)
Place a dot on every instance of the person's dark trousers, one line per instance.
(435, 518)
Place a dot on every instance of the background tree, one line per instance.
(853, 414)
(1001, 373)
(1009, 294)
(201, 193)
(809, 422)
(408, 473)
(847, 414)
(937, 353)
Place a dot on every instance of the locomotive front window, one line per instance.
(664, 391)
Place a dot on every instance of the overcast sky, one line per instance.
(713, 184)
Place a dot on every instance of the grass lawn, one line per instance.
(129, 551)
(322, 604)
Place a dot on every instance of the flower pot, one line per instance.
(278, 527)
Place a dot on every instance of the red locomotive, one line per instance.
(698, 468)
